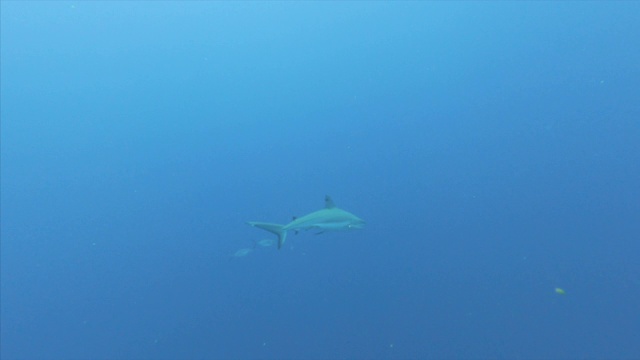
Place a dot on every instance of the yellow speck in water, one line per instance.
(560, 291)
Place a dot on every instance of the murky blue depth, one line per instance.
(492, 148)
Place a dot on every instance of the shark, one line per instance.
(331, 218)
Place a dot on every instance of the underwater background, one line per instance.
(493, 149)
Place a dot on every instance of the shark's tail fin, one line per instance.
(272, 228)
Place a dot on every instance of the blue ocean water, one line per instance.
(493, 149)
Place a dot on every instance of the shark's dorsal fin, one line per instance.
(328, 203)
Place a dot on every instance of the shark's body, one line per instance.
(330, 218)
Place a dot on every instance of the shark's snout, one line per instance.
(358, 224)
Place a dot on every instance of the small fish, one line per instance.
(242, 252)
(560, 291)
(266, 242)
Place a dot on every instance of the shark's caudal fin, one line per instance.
(272, 228)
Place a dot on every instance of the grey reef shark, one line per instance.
(330, 218)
